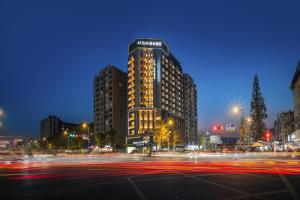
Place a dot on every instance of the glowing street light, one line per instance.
(84, 125)
(170, 122)
(249, 120)
(1, 112)
(236, 109)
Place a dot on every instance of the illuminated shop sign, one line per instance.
(149, 43)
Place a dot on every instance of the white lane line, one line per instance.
(289, 186)
(136, 189)
(222, 186)
(256, 194)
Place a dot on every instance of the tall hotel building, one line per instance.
(110, 103)
(190, 109)
(155, 89)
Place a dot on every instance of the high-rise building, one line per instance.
(110, 103)
(155, 88)
(190, 109)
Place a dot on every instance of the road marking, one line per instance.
(136, 189)
(258, 176)
(220, 185)
(289, 186)
(257, 194)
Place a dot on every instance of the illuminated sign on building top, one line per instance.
(148, 43)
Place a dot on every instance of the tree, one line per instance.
(100, 139)
(175, 139)
(110, 137)
(161, 135)
(258, 111)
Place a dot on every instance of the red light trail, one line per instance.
(56, 170)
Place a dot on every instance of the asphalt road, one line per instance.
(164, 176)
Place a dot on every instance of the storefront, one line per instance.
(139, 144)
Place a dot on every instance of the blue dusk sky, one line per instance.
(50, 52)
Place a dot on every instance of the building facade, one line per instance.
(295, 87)
(190, 109)
(155, 88)
(110, 103)
(52, 126)
(284, 127)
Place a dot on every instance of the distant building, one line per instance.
(110, 103)
(10, 142)
(284, 126)
(52, 126)
(295, 87)
(190, 109)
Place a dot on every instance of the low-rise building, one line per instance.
(284, 127)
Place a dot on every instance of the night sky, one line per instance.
(51, 50)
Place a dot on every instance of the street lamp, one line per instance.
(236, 109)
(1, 112)
(67, 134)
(170, 122)
(1, 116)
(249, 120)
(86, 126)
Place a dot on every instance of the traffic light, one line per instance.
(218, 128)
(268, 135)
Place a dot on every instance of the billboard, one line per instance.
(230, 127)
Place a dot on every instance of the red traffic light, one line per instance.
(268, 135)
(218, 128)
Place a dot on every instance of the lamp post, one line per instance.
(170, 124)
(1, 116)
(1, 112)
(45, 140)
(86, 126)
(238, 110)
(67, 134)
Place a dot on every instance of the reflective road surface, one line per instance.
(163, 176)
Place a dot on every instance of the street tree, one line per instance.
(110, 137)
(258, 111)
(100, 139)
(161, 135)
(175, 139)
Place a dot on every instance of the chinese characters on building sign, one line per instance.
(150, 43)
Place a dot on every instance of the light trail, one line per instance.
(56, 170)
